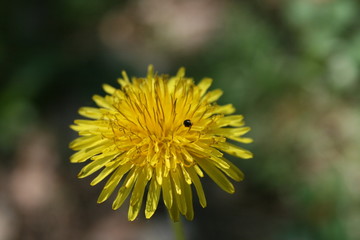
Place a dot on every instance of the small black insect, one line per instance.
(187, 123)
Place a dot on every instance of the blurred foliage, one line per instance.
(291, 67)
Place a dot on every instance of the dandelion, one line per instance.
(159, 135)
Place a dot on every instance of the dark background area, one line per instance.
(291, 67)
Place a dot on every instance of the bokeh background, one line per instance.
(291, 67)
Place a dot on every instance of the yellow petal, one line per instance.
(231, 132)
(212, 96)
(174, 212)
(204, 85)
(84, 142)
(159, 173)
(180, 198)
(137, 196)
(198, 186)
(109, 89)
(189, 202)
(186, 175)
(90, 126)
(167, 192)
(216, 175)
(241, 139)
(124, 191)
(234, 172)
(181, 72)
(152, 198)
(234, 121)
(113, 181)
(131, 178)
(225, 109)
(150, 72)
(176, 179)
(234, 150)
(139, 188)
(198, 170)
(102, 102)
(90, 112)
(85, 154)
(94, 166)
(103, 174)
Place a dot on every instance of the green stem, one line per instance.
(178, 230)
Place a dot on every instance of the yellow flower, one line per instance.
(162, 132)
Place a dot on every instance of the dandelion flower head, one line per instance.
(155, 138)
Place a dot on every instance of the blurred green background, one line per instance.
(291, 67)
